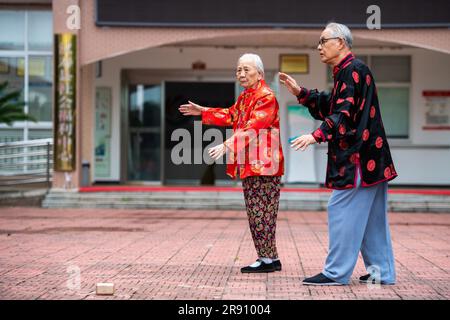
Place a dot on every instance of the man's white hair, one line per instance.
(341, 31)
(255, 59)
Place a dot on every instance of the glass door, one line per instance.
(197, 172)
(144, 133)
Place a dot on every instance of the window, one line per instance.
(391, 68)
(40, 30)
(15, 38)
(394, 104)
(392, 76)
(26, 62)
(40, 87)
(11, 135)
(11, 70)
(40, 134)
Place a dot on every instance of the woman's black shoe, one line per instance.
(277, 265)
(262, 268)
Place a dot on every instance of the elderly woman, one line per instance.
(254, 150)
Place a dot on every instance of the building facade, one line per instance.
(132, 70)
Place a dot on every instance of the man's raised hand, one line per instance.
(290, 83)
(303, 142)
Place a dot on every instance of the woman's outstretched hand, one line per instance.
(191, 109)
(290, 83)
(217, 151)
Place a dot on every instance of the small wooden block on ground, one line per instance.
(105, 288)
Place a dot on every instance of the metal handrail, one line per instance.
(29, 143)
(23, 162)
(11, 156)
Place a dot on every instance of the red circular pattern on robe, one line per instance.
(354, 158)
(368, 80)
(334, 158)
(355, 76)
(371, 165)
(351, 100)
(362, 104)
(365, 135)
(387, 172)
(393, 172)
(342, 171)
(343, 145)
(342, 129)
(379, 142)
(372, 111)
(329, 137)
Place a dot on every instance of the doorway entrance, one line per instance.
(144, 133)
(213, 94)
(150, 116)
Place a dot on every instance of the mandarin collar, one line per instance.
(349, 57)
(252, 90)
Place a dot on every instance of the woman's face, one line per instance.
(247, 74)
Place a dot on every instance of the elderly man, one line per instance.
(359, 163)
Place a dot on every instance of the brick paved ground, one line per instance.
(164, 254)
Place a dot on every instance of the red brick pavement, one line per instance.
(168, 254)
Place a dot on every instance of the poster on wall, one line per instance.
(437, 110)
(294, 63)
(64, 93)
(102, 132)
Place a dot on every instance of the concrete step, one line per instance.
(222, 200)
(22, 197)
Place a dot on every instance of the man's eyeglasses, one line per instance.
(322, 41)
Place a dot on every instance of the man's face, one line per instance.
(247, 74)
(330, 48)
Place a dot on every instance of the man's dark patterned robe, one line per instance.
(352, 126)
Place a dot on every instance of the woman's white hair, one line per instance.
(341, 31)
(256, 60)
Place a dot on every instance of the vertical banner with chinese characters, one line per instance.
(102, 132)
(65, 92)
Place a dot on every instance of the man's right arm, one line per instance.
(318, 103)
